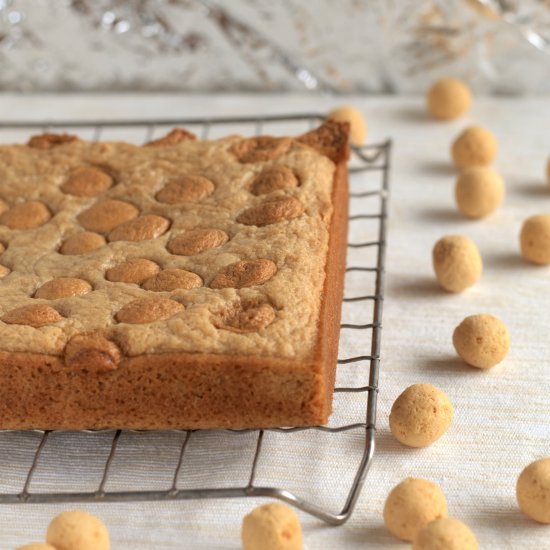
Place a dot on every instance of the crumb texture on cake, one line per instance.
(236, 231)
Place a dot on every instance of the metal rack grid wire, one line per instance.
(372, 160)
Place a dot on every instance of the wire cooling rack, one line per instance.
(35, 462)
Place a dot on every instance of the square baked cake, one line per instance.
(179, 284)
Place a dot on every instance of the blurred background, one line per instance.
(374, 46)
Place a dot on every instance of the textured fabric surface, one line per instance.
(502, 419)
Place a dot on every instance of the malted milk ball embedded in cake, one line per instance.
(448, 98)
(75, 530)
(445, 534)
(475, 146)
(411, 505)
(272, 526)
(478, 191)
(357, 122)
(533, 490)
(481, 340)
(534, 239)
(420, 415)
(457, 263)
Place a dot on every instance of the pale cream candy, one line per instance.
(420, 415)
(481, 340)
(272, 526)
(75, 530)
(457, 263)
(357, 122)
(535, 239)
(411, 505)
(475, 146)
(448, 98)
(478, 191)
(445, 534)
(533, 490)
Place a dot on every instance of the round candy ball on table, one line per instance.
(420, 415)
(478, 191)
(273, 526)
(448, 99)
(475, 146)
(456, 262)
(534, 239)
(481, 340)
(411, 505)
(76, 530)
(445, 534)
(533, 490)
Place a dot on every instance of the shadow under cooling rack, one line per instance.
(290, 464)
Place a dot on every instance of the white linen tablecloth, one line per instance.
(502, 419)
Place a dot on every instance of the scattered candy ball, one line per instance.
(534, 239)
(448, 98)
(420, 415)
(411, 505)
(533, 490)
(272, 526)
(478, 191)
(75, 530)
(475, 146)
(445, 534)
(481, 340)
(457, 263)
(358, 124)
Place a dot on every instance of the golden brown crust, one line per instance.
(26, 215)
(272, 211)
(260, 149)
(48, 141)
(34, 315)
(331, 139)
(91, 350)
(174, 137)
(87, 181)
(244, 273)
(196, 241)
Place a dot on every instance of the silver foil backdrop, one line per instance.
(499, 46)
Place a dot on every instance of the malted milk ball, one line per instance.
(533, 490)
(478, 191)
(445, 534)
(272, 526)
(534, 239)
(481, 340)
(357, 122)
(411, 505)
(457, 263)
(75, 530)
(448, 98)
(420, 415)
(475, 146)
